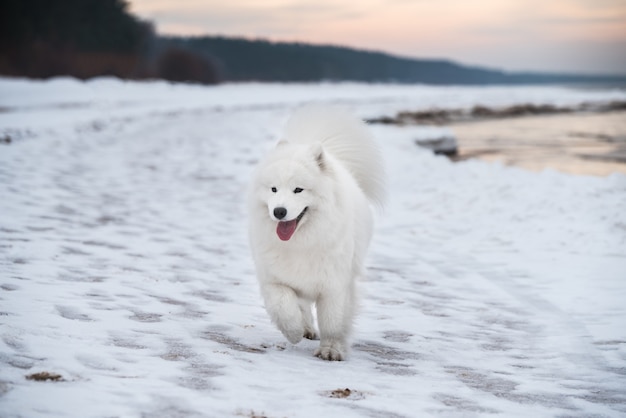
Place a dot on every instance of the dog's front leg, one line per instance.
(307, 320)
(335, 312)
(281, 303)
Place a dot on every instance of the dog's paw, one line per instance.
(330, 353)
(293, 335)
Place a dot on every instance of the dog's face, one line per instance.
(291, 183)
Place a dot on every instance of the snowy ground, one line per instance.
(124, 265)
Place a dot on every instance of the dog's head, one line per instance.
(291, 184)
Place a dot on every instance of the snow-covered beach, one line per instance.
(125, 269)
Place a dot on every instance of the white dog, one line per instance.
(310, 224)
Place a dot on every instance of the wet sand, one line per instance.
(581, 143)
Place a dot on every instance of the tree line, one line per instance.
(239, 59)
(88, 38)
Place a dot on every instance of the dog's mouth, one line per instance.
(285, 229)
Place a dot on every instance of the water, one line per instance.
(590, 144)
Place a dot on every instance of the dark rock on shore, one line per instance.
(444, 145)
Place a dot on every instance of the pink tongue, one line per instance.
(286, 229)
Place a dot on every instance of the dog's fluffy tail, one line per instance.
(347, 139)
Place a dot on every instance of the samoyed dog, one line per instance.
(310, 224)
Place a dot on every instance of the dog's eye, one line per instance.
(297, 190)
(274, 189)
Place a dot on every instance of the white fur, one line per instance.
(330, 155)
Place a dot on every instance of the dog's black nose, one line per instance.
(280, 213)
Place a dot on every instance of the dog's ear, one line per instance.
(321, 160)
(318, 153)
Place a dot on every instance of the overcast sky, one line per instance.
(582, 36)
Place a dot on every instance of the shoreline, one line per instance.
(480, 113)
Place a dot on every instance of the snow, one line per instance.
(124, 264)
